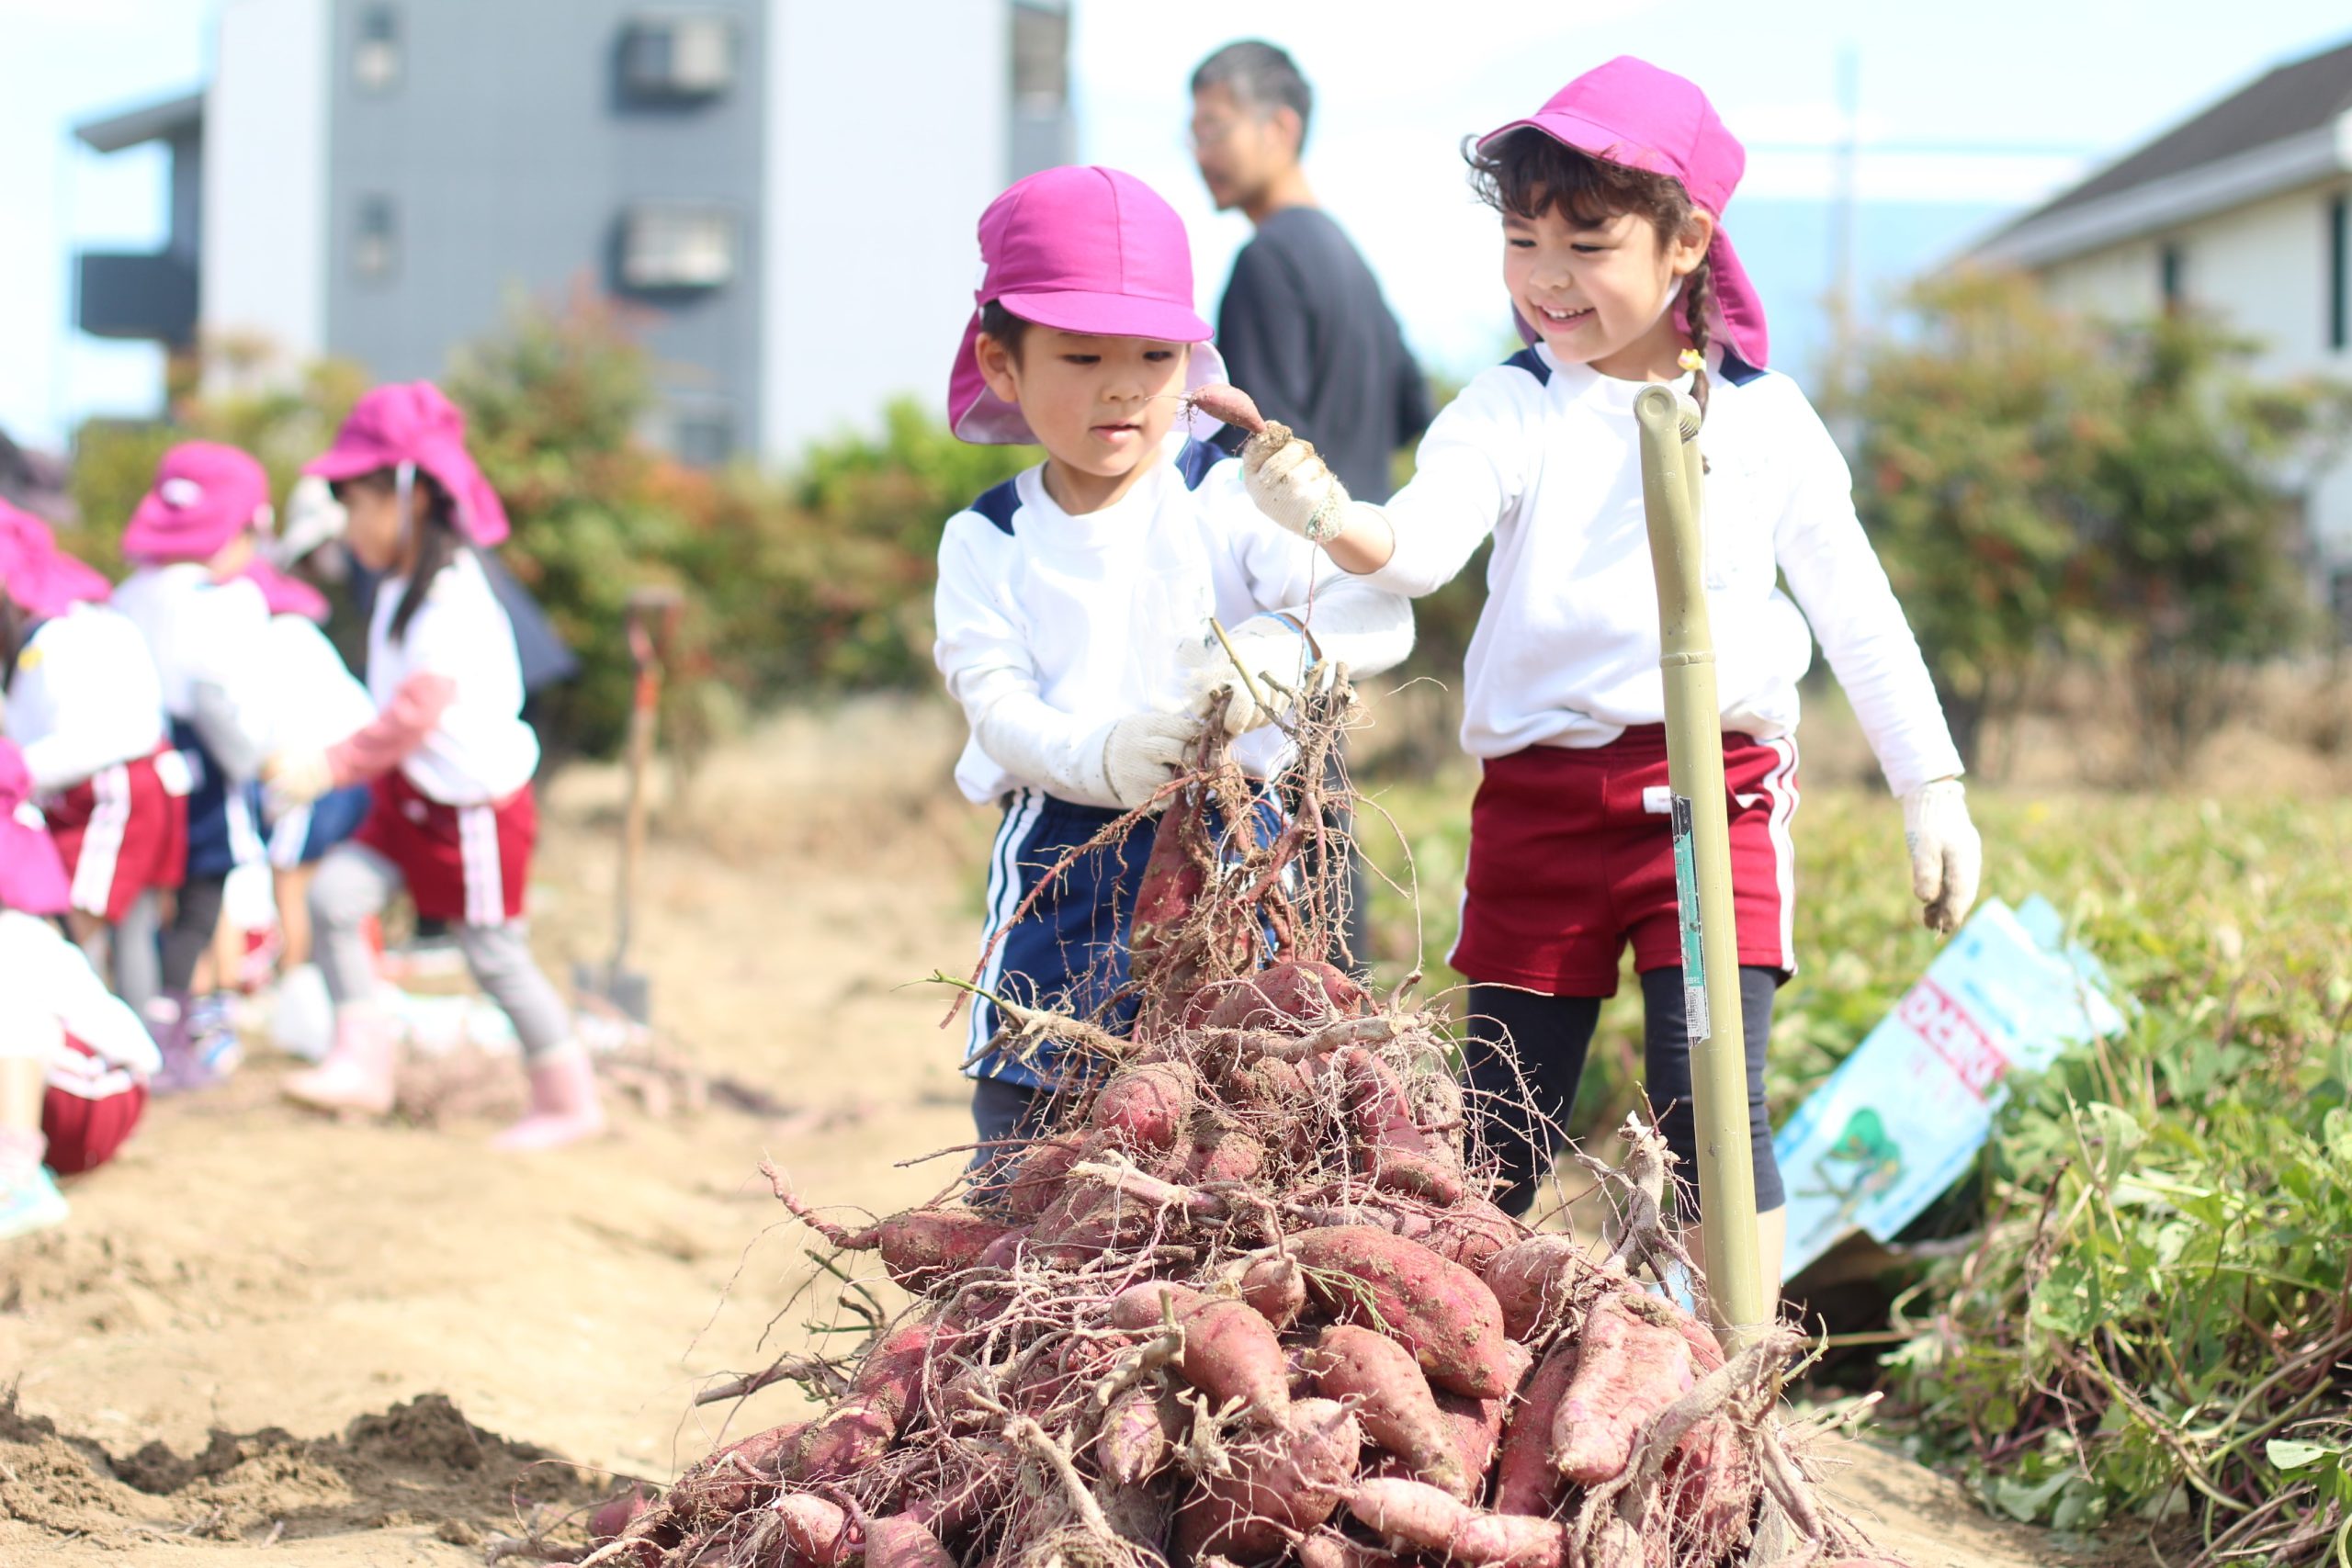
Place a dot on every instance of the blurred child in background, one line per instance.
(73, 1059)
(452, 816)
(84, 704)
(206, 625)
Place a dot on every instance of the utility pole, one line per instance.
(1844, 200)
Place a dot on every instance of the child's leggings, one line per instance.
(1551, 1035)
(354, 882)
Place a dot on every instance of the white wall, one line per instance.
(2263, 268)
(886, 135)
(264, 176)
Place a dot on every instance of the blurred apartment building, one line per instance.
(781, 192)
(2245, 211)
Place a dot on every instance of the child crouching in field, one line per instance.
(74, 1060)
(1074, 599)
(1619, 272)
(452, 816)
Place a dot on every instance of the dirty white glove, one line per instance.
(1947, 855)
(296, 778)
(1271, 649)
(1143, 751)
(1292, 485)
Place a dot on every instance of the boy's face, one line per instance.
(1598, 292)
(1239, 147)
(1099, 405)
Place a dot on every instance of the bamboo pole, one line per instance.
(1671, 489)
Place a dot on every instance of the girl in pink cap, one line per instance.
(75, 1061)
(83, 704)
(1074, 599)
(188, 542)
(448, 758)
(1620, 274)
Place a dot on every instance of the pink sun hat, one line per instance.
(32, 874)
(414, 422)
(205, 494)
(1631, 113)
(39, 576)
(285, 595)
(1087, 250)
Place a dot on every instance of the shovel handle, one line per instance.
(653, 617)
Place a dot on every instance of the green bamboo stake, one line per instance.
(1672, 488)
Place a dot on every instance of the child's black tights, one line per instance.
(1551, 1035)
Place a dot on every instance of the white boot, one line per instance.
(564, 1104)
(358, 1073)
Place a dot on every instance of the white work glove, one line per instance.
(1274, 653)
(1947, 855)
(1292, 485)
(1143, 751)
(295, 778)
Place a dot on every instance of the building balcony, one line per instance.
(128, 294)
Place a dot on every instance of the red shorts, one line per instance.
(121, 831)
(1572, 856)
(462, 863)
(89, 1107)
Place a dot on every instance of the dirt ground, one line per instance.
(265, 1337)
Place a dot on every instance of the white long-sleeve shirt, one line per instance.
(479, 751)
(82, 697)
(48, 990)
(1545, 457)
(210, 648)
(1056, 626)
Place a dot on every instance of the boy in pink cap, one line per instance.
(188, 542)
(1074, 599)
(449, 758)
(74, 1060)
(1620, 274)
(85, 705)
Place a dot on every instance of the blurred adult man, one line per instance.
(1303, 327)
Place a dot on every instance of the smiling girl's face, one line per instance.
(1598, 292)
(1100, 406)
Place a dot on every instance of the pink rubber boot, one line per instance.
(564, 1104)
(356, 1074)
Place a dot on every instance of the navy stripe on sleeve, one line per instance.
(999, 504)
(1195, 461)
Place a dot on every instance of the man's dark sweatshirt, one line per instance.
(1304, 331)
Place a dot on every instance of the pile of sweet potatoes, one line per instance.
(1246, 1305)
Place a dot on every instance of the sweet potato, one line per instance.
(1533, 1280)
(923, 1245)
(861, 1426)
(900, 1540)
(1472, 1234)
(1327, 1547)
(1230, 1352)
(1274, 1284)
(741, 1475)
(609, 1520)
(1422, 1518)
(1270, 1085)
(1005, 1250)
(1036, 1178)
(1709, 1486)
(1631, 1363)
(1290, 1480)
(1223, 1151)
(1392, 1401)
(1148, 1106)
(1440, 1311)
(1229, 405)
(1132, 1441)
(1173, 881)
(1391, 1148)
(1476, 1425)
(1525, 1482)
(817, 1532)
(1290, 998)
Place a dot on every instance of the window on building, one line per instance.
(679, 55)
(702, 436)
(2170, 284)
(375, 55)
(1040, 58)
(376, 240)
(2339, 272)
(677, 247)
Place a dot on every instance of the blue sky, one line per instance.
(2080, 80)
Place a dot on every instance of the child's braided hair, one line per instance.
(1526, 172)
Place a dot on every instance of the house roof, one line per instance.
(2287, 106)
(157, 121)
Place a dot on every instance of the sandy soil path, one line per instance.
(268, 1338)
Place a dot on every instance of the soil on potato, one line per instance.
(389, 1345)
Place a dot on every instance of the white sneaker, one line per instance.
(29, 1200)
